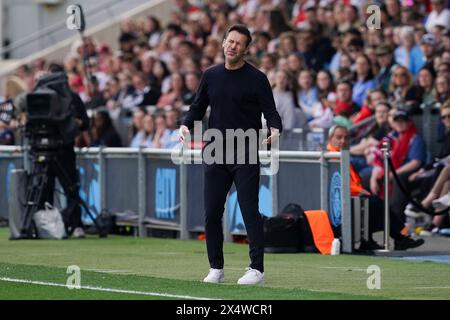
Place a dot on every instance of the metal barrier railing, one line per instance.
(316, 180)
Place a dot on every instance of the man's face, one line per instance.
(437, 5)
(343, 92)
(381, 114)
(234, 47)
(427, 49)
(445, 116)
(375, 98)
(171, 119)
(340, 138)
(401, 125)
(385, 59)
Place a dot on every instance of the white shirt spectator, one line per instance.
(434, 19)
(291, 116)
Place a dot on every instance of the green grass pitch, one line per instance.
(153, 268)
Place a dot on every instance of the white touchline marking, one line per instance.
(52, 284)
(431, 288)
(109, 271)
(352, 268)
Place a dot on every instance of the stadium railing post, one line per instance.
(184, 235)
(323, 182)
(386, 155)
(101, 178)
(347, 230)
(142, 177)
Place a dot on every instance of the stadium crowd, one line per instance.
(326, 67)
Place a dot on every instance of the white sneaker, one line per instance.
(78, 233)
(252, 276)
(410, 212)
(442, 203)
(431, 233)
(215, 276)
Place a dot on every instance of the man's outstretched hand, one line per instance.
(182, 133)
(274, 132)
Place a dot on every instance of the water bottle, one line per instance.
(335, 247)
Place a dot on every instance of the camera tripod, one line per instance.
(43, 162)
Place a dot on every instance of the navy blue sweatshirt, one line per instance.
(237, 99)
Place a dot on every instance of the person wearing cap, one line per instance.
(386, 61)
(408, 155)
(428, 47)
(440, 15)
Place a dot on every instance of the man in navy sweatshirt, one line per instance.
(238, 94)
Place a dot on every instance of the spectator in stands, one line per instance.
(446, 40)
(338, 139)
(144, 138)
(386, 60)
(205, 63)
(93, 96)
(408, 155)
(393, 11)
(354, 50)
(191, 80)
(364, 80)
(408, 54)
(127, 41)
(443, 69)
(401, 90)
(172, 124)
(428, 46)
(174, 95)
(147, 62)
(260, 45)
(15, 90)
(322, 111)
(152, 29)
(103, 132)
(162, 137)
(316, 50)
(425, 81)
(160, 75)
(295, 64)
(427, 178)
(287, 44)
(6, 134)
(137, 128)
(440, 15)
(286, 102)
(344, 106)
(307, 93)
(442, 85)
(15, 93)
(101, 76)
(143, 94)
(372, 137)
(111, 97)
(325, 84)
(439, 198)
(368, 109)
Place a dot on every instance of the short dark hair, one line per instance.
(242, 29)
(55, 67)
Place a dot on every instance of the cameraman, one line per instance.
(67, 172)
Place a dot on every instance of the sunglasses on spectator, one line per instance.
(445, 116)
(399, 74)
